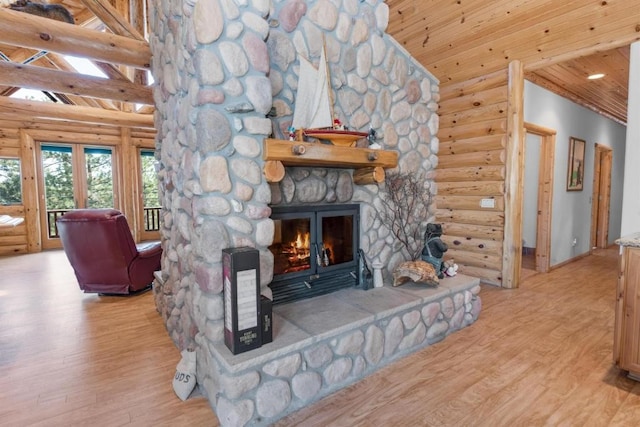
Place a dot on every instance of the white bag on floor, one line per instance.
(185, 378)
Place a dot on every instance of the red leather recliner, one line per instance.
(103, 254)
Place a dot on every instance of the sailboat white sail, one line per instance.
(313, 104)
(313, 110)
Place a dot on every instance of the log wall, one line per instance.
(472, 168)
(17, 140)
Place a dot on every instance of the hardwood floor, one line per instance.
(539, 355)
(74, 359)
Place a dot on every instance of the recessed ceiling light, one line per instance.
(595, 76)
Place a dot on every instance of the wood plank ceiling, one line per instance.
(559, 43)
(455, 39)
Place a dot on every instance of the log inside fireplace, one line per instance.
(314, 249)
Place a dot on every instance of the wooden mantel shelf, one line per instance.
(325, 155)
(279, 153)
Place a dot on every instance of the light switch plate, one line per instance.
(488, 203)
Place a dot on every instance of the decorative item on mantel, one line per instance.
(434, 248)
(313, 115)
(405, 210)
(417, 272)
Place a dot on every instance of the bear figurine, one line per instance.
(434, 248)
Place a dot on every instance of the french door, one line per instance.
(72, 176)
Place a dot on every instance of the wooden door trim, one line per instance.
(30, 195)
(514, 179)
(545, 194)
(601, 197)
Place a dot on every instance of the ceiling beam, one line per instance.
(35, 109)
(112, 19)
(29, 76)
(22, 29)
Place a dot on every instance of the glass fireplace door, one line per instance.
(336, 240)
(314, 250)
(292, 246)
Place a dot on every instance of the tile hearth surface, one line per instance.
(298, 324)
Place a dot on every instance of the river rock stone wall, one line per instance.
(290, 379)
(221, 69)
(376, 85)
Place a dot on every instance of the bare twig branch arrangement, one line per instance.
(406, 199)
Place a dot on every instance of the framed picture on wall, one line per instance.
(575, 173)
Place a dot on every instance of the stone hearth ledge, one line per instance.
(326, 343)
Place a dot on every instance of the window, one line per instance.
(10, 182)
(150, 194)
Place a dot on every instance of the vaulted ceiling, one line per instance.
(558, 43)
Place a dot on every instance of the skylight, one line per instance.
(84, 66)
(31, 94)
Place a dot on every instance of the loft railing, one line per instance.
(52, 216)
(151, 220)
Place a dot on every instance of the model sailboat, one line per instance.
(313, 114)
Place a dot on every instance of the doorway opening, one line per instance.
(538, 196)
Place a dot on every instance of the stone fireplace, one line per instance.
(226, 76)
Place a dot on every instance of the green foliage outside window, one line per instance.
(57, 165)
(150, 195)
(10, 182)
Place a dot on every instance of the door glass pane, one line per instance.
(150, 195)
(291, 245)
(57, 167)
(337, 239)
(99, 172)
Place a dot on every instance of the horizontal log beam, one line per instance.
(493, 157)
(470, 244)
(23, 29)
(471, 217)
(35, 109)
(472, 173)
(474, 130)
(39, 78)
(478, 84)
(13, 250)
(474, 259)
(473, 100)
(471, 188)
(9, 151)
(473, 115)
(469, 203)
(487, 232)
(77, 137)
(471, 145)
(112, 19)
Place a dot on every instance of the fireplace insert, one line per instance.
(314, 249)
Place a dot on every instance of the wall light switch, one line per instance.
(488, 203)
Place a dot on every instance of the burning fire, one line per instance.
(299, 248)
(301, 244)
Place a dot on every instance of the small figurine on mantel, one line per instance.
(337, 123)
(292, 133)
(372, 139)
